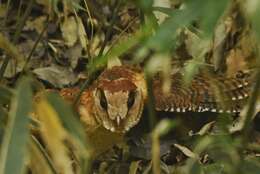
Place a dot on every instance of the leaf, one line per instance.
(14, 147)
(54, 135)
(162, 128)
(216, 168)
(253, 9)
(134, 167)
(166, 34)
(38, 162)
(37, 24)
(10, 49)
(205, 129)
(69, 31)
(186, 151)
(117, 50)
(209, 18)
(163, 4)
(16, 59)
(165, 10)
(250, 166)
(163, 38)
(82, 33)
(68, 119)
(56, 75)
(197, 48)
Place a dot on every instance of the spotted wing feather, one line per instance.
(214, 94)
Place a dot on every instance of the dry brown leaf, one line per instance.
(82, 33)
(37, 24)
(134, 167)
(186, 151)
(206, 128)
(236, 62)
(16, 59)
(69, 31)
(56, 75)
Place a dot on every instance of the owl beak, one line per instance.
(118, 120)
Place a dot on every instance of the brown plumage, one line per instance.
(116, 99)
(213, 94)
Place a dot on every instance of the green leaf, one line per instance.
(209, 17)
(204, 9)
(145, 5)
(69, 120)
(216, 168)
(117, 50)
(166, 34)
(14, 147)
(253, 9)
(250, 166)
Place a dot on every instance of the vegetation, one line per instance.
(56, 44)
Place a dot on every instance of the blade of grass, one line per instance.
(14, 147)
(54, 135)
(35, 45)
(162, 128)
(38, 148)
(68, 118)
(150, 102)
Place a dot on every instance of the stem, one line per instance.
(44, 154)
(150, 101)
(35, 45)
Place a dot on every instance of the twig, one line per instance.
(35, 45)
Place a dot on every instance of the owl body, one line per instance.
(116, 99)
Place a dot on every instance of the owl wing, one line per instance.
(213, 94)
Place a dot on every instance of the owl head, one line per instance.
(119, 96)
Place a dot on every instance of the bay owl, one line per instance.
(116, 99)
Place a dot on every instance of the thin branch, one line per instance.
(35, 45)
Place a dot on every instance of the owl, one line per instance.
(117, 97)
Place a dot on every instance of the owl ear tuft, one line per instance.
(113, 61)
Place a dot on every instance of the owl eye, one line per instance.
(103, 100)
(131, 99)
